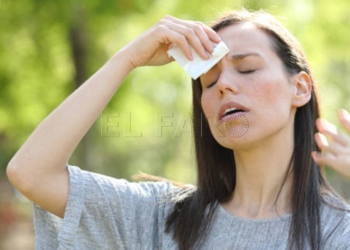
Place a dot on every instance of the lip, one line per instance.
(228, 106)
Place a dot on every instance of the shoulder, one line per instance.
(336, 206)
(335, 209)
(335, 218)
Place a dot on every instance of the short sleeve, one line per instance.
(106, 213)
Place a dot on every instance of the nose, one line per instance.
(226, 83)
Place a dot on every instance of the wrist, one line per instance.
(123, 59)
(126, 55)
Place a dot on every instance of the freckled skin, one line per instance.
(267, 92)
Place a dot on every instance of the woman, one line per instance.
(259, 181)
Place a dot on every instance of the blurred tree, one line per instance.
(49, 48)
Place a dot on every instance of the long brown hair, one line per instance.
(191, 217)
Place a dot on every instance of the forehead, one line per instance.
(245, 37)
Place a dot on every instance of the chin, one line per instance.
(244, 142)
(233, 132)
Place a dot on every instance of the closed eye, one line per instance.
(247, 71)
(212, 84)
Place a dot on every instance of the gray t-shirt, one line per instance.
(106, 213)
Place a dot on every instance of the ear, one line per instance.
(302, 88)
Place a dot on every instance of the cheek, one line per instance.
(207, 101)
(271, 91)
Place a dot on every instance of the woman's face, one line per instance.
(247, 96)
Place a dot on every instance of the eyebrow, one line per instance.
(242, 56)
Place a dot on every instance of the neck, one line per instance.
(263, 184)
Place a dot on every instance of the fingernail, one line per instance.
(322, 124)
(330, 127)
(209, 55)
(323, 139)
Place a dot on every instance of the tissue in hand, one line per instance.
(198, 65)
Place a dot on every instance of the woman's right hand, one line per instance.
(151, 47)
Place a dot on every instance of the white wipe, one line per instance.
(198, 65)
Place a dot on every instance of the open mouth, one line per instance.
(231, 111)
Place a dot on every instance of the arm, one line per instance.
(38, 169)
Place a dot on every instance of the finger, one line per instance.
(196, 30)
(213, 36)
(344, 118)
(325, 126)
(189, 34)
(330, 130)
(316, 156)
(204, 38)
(167, 35)
(321, 141)
(324, 158)
(193, 39)
(334, 147)
(200, 31)
(331, 161)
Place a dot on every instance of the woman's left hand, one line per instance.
(334, 144)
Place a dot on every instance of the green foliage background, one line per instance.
(48, 48)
